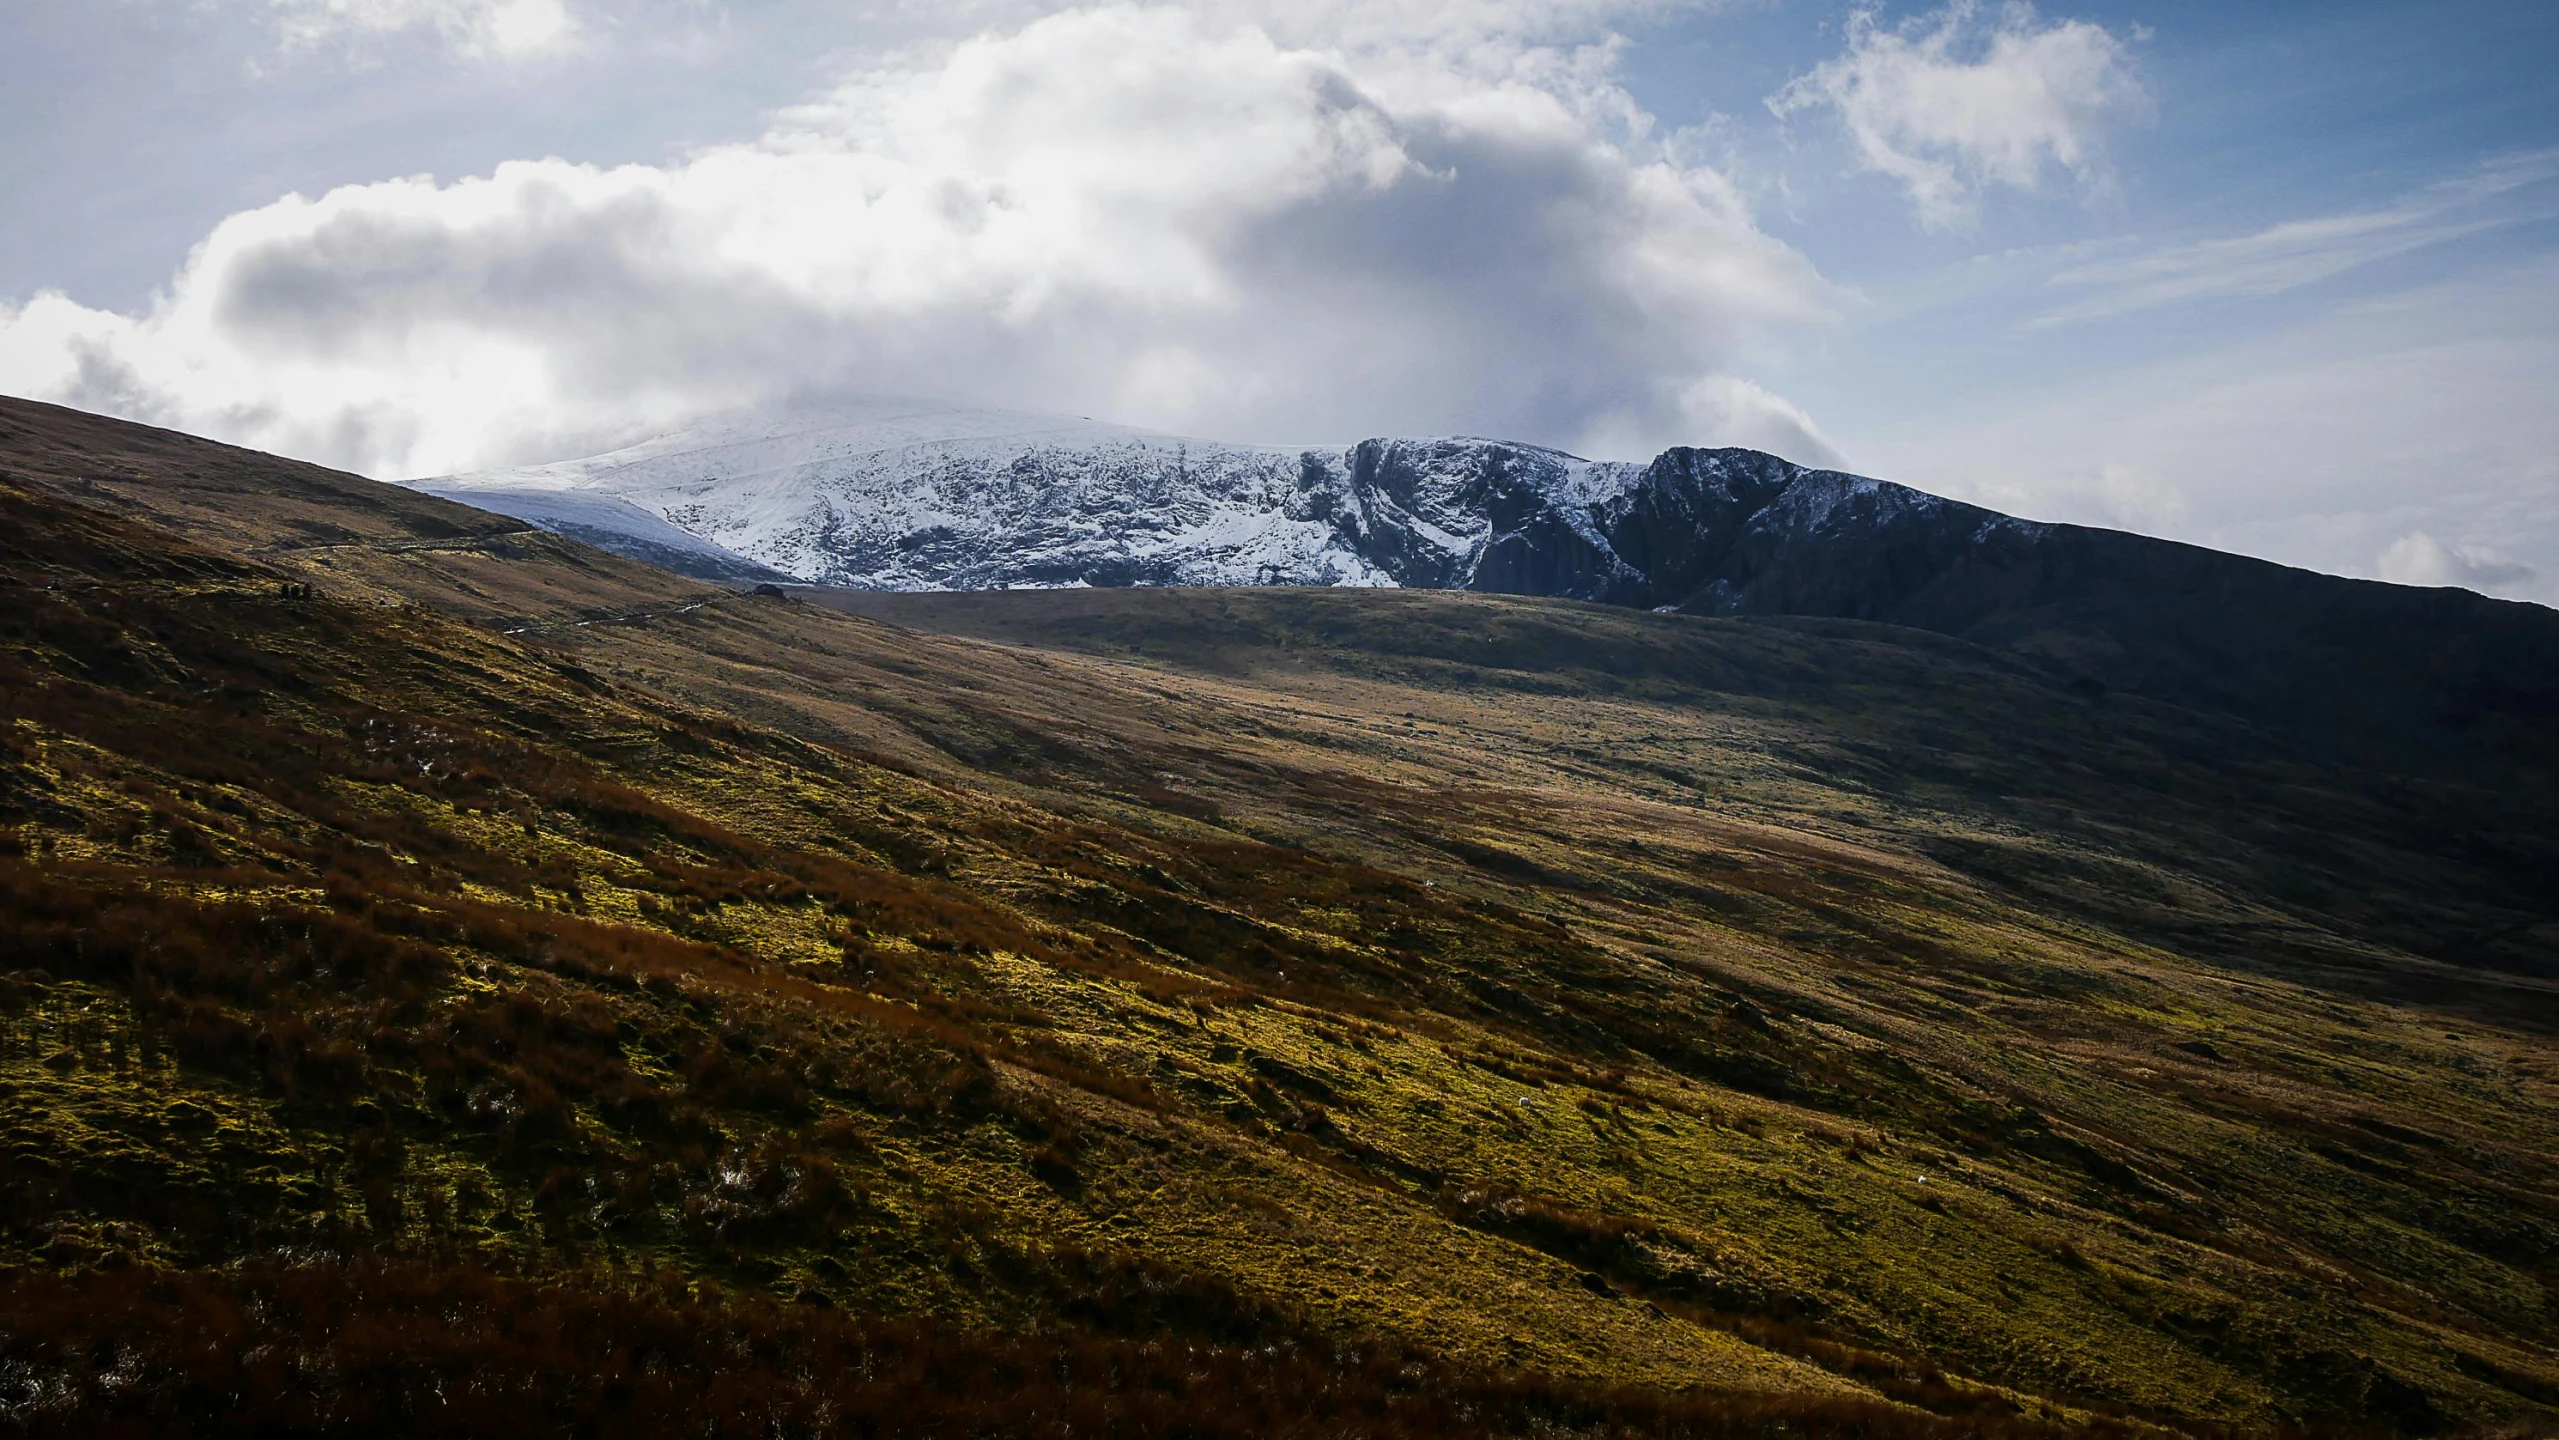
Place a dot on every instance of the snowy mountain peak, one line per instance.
(898, 494)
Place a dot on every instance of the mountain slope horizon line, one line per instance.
(891, 495)
(895, 493)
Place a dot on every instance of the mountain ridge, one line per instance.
(911, 496)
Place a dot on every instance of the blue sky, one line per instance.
(2280, 278)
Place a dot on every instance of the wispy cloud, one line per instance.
(2411, 439)
(2418, 558)
(2295, 253)
(1954, 102)
(475, 29)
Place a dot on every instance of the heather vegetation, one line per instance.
(1204, 1014)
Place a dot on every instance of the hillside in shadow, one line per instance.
(454, 979)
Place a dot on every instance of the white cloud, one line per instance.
(2418, 558)
(2297, 252)
(1123, 211)
(1711, 410)
(1448, 26)
(1953, 103)
(479, 29)
(2115, 495)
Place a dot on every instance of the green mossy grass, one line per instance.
(1349, 977)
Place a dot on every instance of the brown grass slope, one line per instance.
(1214, 1012)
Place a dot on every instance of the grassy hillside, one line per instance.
(514, 987)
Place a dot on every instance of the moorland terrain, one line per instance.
(456, 980)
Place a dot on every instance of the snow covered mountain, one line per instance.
(904, 495)
(896, 495)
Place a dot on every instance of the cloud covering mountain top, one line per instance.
(2244, 279)
(1137, 211)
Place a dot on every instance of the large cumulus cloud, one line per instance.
(1165, 216)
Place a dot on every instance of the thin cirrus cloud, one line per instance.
(2406, 436)
(1131, 211)
(2296, 253)
(1956, 102)
(476, 29)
